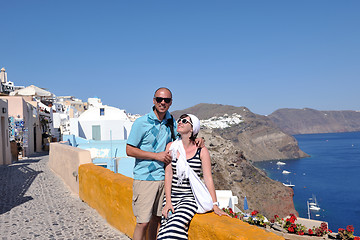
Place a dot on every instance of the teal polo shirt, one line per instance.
(151, 135)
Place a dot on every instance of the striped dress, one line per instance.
(176, 226)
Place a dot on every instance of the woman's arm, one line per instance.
(168, 179)
(206, 167)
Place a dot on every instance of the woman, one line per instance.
(180, 204)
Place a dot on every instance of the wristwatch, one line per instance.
(216, 203)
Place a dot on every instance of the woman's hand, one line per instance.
(219, 212)
(168, 207)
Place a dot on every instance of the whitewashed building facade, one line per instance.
(101, 122)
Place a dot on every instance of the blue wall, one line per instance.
(110, 154)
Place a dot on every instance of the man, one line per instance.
(147, 141)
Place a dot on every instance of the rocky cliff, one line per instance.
(256, 135)
(232, 171)
(235, 137)
(305, 121)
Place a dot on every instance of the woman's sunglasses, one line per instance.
(184, 121)
(160, 99)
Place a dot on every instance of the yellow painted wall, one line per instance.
(210, 226)
(111, 195)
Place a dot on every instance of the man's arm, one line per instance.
(141, 154)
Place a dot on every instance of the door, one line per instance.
(4, 140)
(34, 139)
(96, 132)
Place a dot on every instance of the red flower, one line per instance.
(291, 229)
(356, 238)
(254, 213)
(341, 230)
(276, 216)
(301, 232)
(323, 226)
(330, 231)
(310, 232)
(350, 228)
(319, 232)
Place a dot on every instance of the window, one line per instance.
(102, 111)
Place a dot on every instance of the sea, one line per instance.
(331, 175)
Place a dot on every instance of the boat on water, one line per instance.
(289, 185)
(280, 163)
(285, 172)
(313, 205)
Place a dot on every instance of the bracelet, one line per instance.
(216, 203)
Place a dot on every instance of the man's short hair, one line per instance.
(162, 88)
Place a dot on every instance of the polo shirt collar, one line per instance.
(154, 117)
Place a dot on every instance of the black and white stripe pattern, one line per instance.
(176, 226)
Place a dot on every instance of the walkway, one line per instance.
(35, 204)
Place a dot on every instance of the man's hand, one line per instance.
(200, 142)
(164, 157)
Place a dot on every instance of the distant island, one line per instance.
(309, 121)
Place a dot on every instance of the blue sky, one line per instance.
(264, 55)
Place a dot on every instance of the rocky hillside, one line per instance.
(257, 136)
(235, 137)
(304, 121)
(232, 171)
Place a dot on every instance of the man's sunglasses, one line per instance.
(160, 99)
(184, 121)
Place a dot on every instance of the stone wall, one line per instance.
(65, 160)
(111, 195)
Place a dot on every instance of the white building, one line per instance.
(6, 86)
(227, 200)
(5, 156)
(101, 122)
(65, 108)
